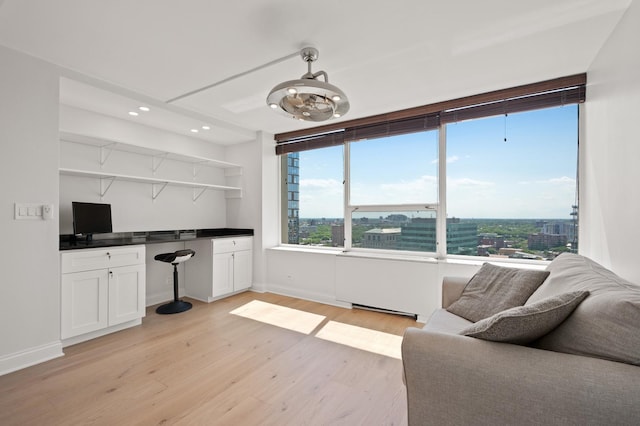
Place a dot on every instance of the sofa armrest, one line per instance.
(459, 380)
(452, 289)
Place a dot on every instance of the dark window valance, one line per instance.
(545, 94)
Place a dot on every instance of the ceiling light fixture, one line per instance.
(133, 113)
(143, 108)
(309, 99)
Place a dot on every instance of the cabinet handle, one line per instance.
(109, 254)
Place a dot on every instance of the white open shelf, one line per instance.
(232, 191)
(106, 147)
(125, 147)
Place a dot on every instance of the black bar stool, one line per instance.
(177, 305)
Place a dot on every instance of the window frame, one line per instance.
(546, 94)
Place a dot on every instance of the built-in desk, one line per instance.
(103, 281)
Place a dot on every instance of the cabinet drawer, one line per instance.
(226, 245)
(91, 259)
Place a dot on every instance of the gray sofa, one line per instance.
(585, 371)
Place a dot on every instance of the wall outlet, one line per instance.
(47, 211)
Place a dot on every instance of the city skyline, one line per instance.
(530, 175)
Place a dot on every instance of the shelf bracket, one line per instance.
(105, 152)
(155, 166)
(154, 193)
(103, 189)
(199, 194)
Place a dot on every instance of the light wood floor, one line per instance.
(209, 367)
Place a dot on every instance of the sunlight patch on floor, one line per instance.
(362, 338)
(280, 316)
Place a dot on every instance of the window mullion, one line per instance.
(441, 215)
(346, 185)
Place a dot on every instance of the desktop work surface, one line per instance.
(71, 242)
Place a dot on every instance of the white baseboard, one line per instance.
(28, 357)
(327, 299)
(162, 297)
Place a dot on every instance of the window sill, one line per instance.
(423, 258)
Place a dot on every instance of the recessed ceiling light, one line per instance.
(194, 130)
(133, 113)
(144, 108)
(206, 128)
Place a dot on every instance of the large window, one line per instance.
(511, 184)
(470, 181)
(393, 188)
(314, 192)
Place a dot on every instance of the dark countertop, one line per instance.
(71, 242)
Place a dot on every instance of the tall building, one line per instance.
(462, 237)
(560, 228)
(337, 235)
(420, 235)
(293, 197)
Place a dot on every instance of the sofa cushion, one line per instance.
(607, 324)
(495, 288)
(442, 321)
(524, 324)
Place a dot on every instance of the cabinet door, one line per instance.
(84, 302)
(242, 270)
(126, 293)
(222, 274)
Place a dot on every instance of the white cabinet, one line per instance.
(221, 267)
(103, 290)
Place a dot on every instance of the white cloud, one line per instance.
(468, 183)
(450, 160)
(563, 180)
(320, 183)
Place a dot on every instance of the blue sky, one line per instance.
(531, 175)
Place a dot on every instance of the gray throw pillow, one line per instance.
(524, 324)
(494, 289)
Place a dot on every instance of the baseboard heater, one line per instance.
(384, 311)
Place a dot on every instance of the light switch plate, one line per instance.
(33, 211)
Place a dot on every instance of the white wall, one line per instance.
(29, 289)
(258, 208)
(610, 198)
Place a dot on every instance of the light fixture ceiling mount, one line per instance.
(308, 98)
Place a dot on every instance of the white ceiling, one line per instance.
(385, 55)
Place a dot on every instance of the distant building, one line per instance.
(337, 235)
(489, 239)
(560, 228)
(381, 238)
(420, 235)
(462, 237)
(540, 241)
(293, 197)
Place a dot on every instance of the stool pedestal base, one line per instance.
(174, 307)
